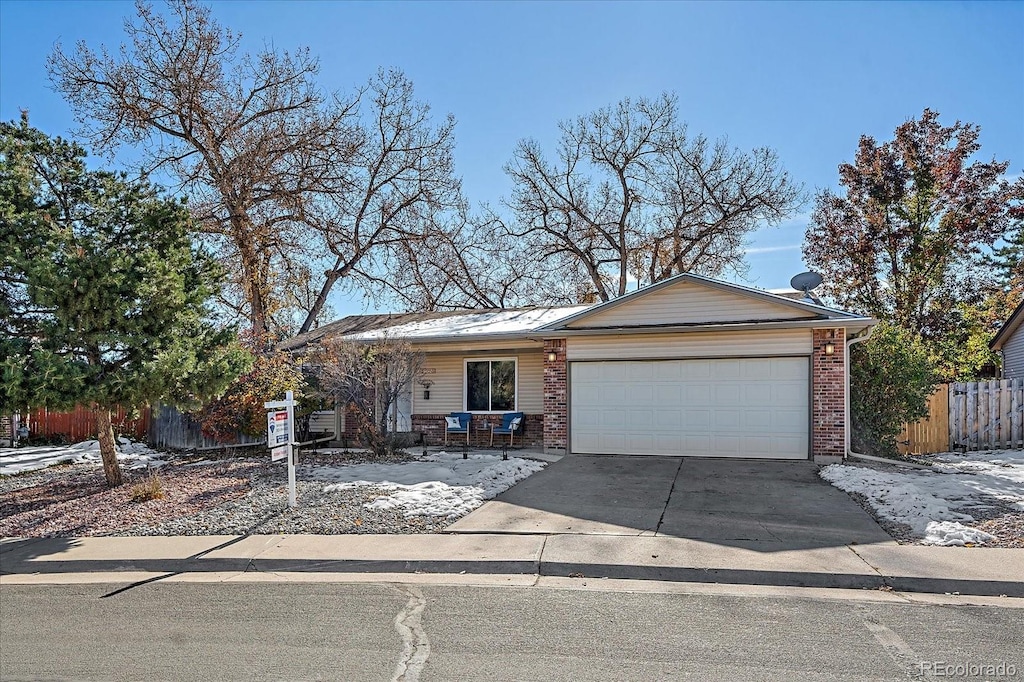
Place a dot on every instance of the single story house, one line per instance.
(688, 366)
(1009, 342)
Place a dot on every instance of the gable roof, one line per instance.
(536, 323)
(811, 311)
(1011, 325)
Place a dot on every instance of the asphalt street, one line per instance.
(338, 631)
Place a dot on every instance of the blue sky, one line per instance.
(806, 79)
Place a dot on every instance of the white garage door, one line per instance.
(745, 407)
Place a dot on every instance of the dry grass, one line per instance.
(150, 488)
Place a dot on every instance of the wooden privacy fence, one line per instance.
(80, 424)
(930, 434)
(170, 428)
(987, 415)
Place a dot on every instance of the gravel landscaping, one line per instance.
(231, 496)
(974, 499)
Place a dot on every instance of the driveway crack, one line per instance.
(885, 580)
(661, 519)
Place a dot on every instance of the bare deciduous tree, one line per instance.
(631, 197)
(462, 261)
(401, 174)
(368, 378)
(278, 172)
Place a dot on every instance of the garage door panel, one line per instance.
(724, 370)
(759, 393)
(757, 369)
(749, 407)
(725, 420)
(696, 394)
(588, 419)
(640, 420)
(666, 393)
(695, 369)
(667, 420)
(789, 421)
(640, 394)
(639, 371)
(758, 419)
(727, 393)
(697, 420)
(794, 447)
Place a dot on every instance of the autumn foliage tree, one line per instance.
(105, 298)
(904, 240)
(239, 409)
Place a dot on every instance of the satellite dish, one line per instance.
(805, 282)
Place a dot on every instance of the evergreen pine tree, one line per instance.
(103, 294)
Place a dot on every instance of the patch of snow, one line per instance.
(133, 455)
(442, 484)
(954, 533)
(473, 324)
(927, 500)
(1007, 464)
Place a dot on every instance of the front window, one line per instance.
(490, 385)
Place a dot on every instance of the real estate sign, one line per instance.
(278, 431)
(280, 439)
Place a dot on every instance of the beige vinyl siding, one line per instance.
(1013, 355)
(690, 345)
(447, 372)
(687, 303)
(531, 382)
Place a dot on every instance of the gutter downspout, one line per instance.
(849, 416)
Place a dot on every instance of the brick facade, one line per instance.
(556, 417)
(432, 428)
(828, 396)
(350, 425)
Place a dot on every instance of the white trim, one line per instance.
(465, 383)
(848, 323)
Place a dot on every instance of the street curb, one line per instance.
(680, 574)
(979, 588)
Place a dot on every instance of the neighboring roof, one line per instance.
(1009, 327)
(818, 311)
(796, 295)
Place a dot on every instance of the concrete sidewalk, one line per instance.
(913, 568)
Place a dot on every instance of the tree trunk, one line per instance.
(105, 433)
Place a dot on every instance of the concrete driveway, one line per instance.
(764, 504)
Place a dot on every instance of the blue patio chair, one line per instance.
(511, 423)
(457, 422)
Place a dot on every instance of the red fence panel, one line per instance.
(80, 424)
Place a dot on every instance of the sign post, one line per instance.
(281, 437)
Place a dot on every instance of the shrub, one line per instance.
(891, 378)
(150, 488)
(240, 408)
